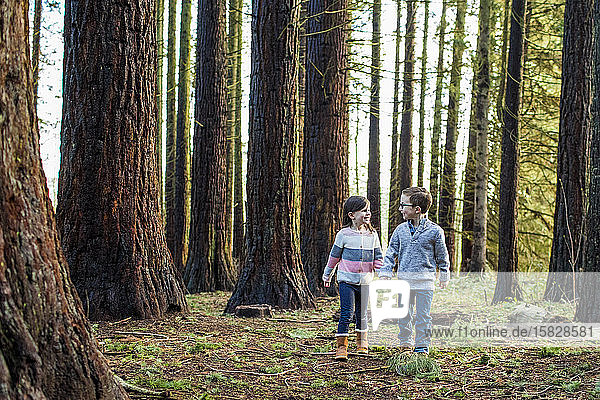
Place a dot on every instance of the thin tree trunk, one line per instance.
(182, 142)
(573, 137)
(324, 174)
(47, 349)
(107, 210)
(405, 149)
(434, 176)
(272, 272)
(502, 78)
(448, 182)
(210, 265)
(482, 76)
(35, 56)
(469, 184)
(171, 128)
(587, 308)
(160, 21)
(421, 166)
(373, 178)
(394, 213)
(507, 284)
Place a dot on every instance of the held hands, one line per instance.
(444, 284)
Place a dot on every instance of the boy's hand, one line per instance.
(384, 278)
(444, 284)
(327, 284)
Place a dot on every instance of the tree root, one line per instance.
(136, 389)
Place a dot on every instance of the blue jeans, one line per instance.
(421, 301)
(351, 302)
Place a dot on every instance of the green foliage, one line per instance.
(549, 351)
(301, 334)
(201, 347)
(416, 365)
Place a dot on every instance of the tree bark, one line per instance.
(469, 185)
(160, 21)
(482, 76)
(421, 165)
(35, 54)
(448, 180)
(573, 137)
(507, 285)
(325, 171)
(47, 350)
(373, 178)
(107, 210)
(181, 212)
(210, 265)
(272, 272)
(434, 176)
(587, 308)
(394, 212)
(405, 150)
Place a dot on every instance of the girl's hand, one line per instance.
(327, 284)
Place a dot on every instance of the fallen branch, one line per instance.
(363, 370)
(302, 321)
(158, 335)
(251, 372)
(136, 389)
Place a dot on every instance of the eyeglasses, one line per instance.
(406, 205)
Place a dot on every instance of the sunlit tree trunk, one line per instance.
(573, 137)
(108, 212)
(47, 350)
(405, 149)
(373, 178)
(420, 165)
(507, 284)
(35, 54)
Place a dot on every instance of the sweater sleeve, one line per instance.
(442, 259)
(377, 254)
(334, 256)
(390, 255)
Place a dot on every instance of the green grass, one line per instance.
(417, 365)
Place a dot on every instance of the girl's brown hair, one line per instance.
(353, 204)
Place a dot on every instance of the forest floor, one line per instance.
(208, 355)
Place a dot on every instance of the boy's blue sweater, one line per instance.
(418, 255)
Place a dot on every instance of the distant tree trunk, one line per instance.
(238, 196)
(231, 117)
(373, 178)
(324, 173)
(434, 176)
(469, 184)
(507, 284)
(272, 272)
(405, 150)
(448, 181)
(502, 78)
(421, 166)
(573, 137)
(589, 296)
(482, 77)
(210, 265)
(160, 21)
(35, 56)
(171, 128)
(182, 156)
(47, 350)
(107, 210)
(394, 213)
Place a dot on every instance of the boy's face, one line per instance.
(408, 210)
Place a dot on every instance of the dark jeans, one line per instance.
(351, 302)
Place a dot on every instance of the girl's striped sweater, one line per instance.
(357, 254)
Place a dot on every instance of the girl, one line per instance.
(358, 252)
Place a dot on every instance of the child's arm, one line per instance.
(390, 256)
(334, 257)
(442, 259)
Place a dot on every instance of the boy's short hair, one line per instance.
(419, 196)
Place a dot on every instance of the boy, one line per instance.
(419, 246)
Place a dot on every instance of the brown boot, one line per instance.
(362, 344)
(342, 348)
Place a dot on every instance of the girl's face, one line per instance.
(359, 218)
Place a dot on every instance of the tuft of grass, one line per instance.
(215, 377)
(157, 382)
(275, 369)
(301, 334)
(202, 346)
(549, 351)
(416, 365)
(571, 386)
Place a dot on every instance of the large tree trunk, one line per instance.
(171, 127)
(573, 136)
(35, 54)
(507, 285)
(448, 181)
(421, 165)
(434, 175)
(210, 265)
(324, 173)
(482, 88)
(181, 213)
(589, 296)
(272, 272)
(47, 350)
(108, 192)
(394, 212)
(160, 21)
(405, 150)
(373, 178)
